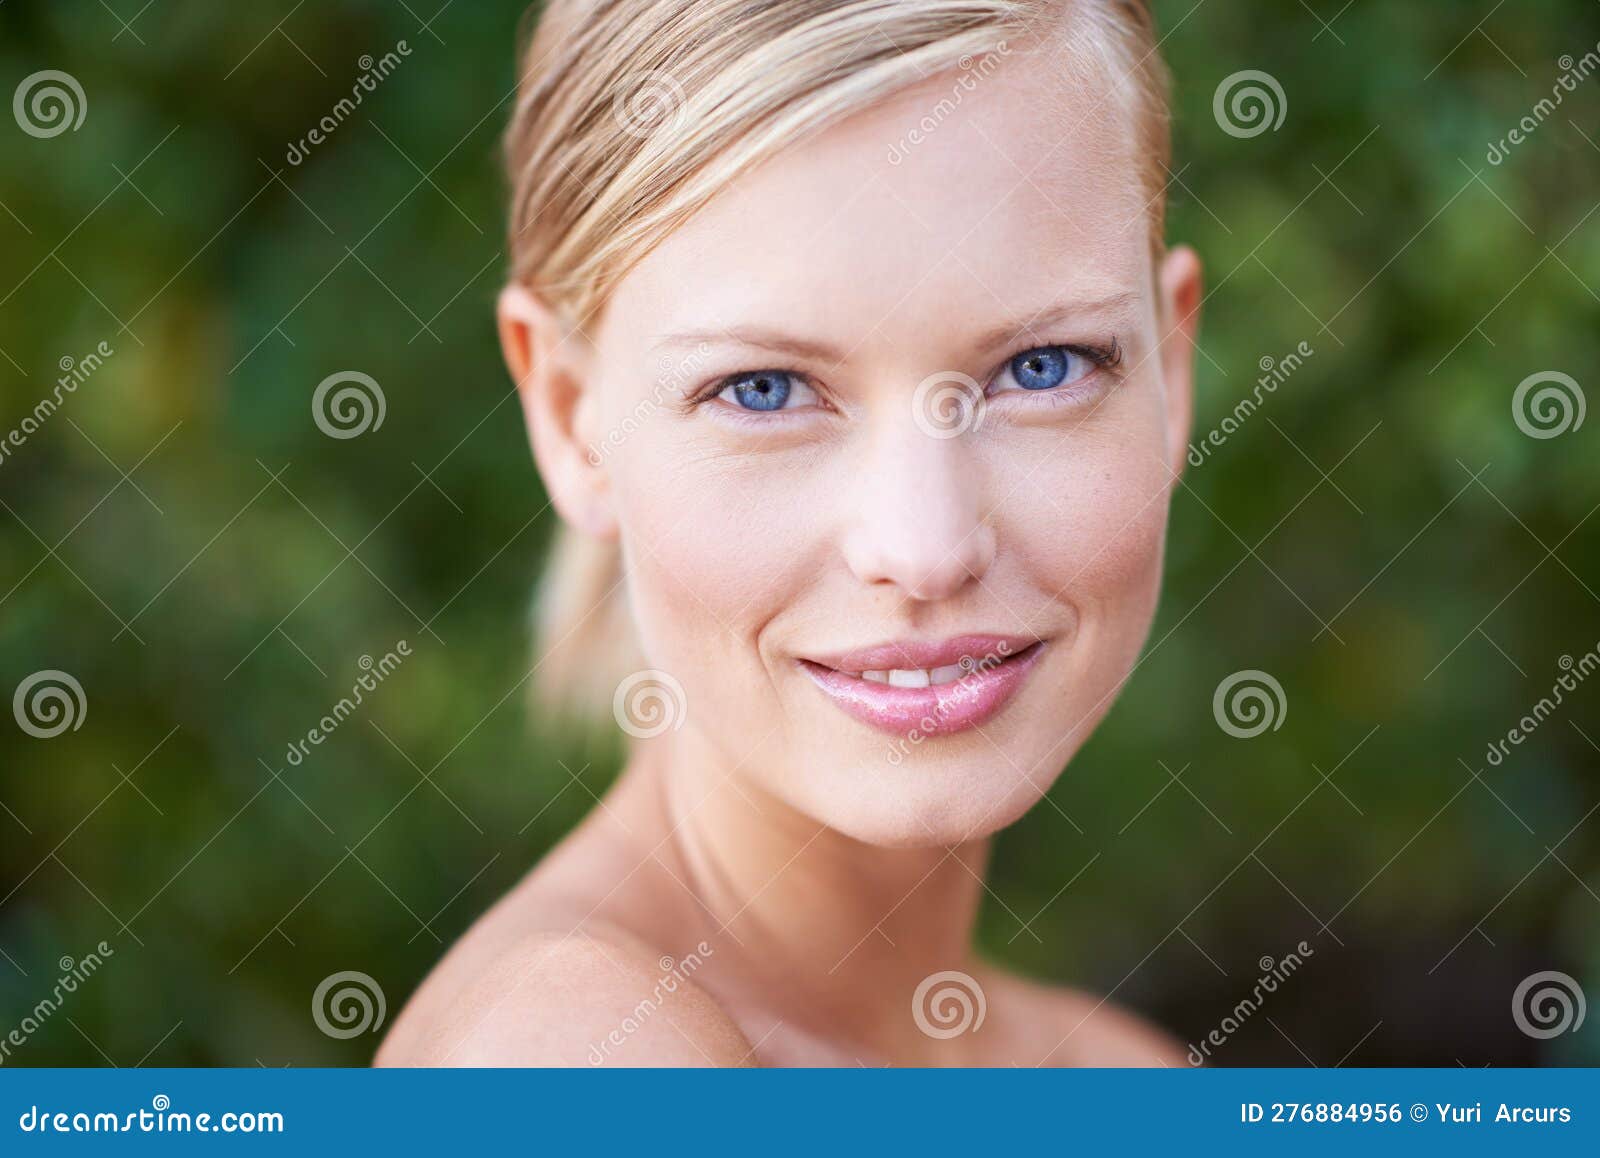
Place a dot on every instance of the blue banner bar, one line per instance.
(814, 1111)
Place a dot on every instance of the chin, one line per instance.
(935, 796)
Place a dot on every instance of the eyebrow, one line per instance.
(1113, 310)
(758, 337)
(1117, 308)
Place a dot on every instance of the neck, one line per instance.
(828, 934)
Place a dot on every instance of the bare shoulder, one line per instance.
(577, 1000)
(1054, 1026)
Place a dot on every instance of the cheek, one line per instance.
(714, 549)
(1096, 542)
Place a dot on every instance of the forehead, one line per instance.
(979, 192)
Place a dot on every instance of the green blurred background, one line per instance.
(1381, 537)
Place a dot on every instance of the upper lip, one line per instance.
(915, 654)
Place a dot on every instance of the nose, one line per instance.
(918, 522)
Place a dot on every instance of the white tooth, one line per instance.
(908, 679)
(945, 675)
(877, 677)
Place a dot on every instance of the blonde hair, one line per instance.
(632, 114)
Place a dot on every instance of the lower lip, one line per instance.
(932, 711)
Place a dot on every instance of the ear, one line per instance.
(549, 367)
(1180, 326)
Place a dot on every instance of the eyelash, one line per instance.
(1102, 357)
(1107, 356)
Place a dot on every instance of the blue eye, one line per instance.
(764, 390)
(1046, 367)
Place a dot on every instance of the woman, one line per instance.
(854, 362)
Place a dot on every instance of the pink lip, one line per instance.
(997, 667)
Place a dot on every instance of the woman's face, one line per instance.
(888, 432)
